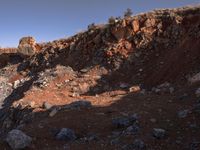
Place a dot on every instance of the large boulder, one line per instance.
(18, 140)
(28, 46)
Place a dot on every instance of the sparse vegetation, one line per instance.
(91, 26)
(128, 13)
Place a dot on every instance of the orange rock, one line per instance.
(136, 25)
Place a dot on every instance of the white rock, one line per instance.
(135, 88)
(16, 83)
(53, 112)
(195, 78)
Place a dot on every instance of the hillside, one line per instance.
(131, 84)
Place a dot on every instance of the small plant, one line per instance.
(128, 13)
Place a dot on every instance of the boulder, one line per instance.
(18, 140)
(27, 46)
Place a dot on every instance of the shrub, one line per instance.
(128, 13)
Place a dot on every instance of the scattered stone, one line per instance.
(132, 129)
(133, 118)
(123, 85)
(53, 112)
(197, 92)
(91, 137)
(47, 105)
(115, 141)
(137, 145)
(171, 90)
(31, 104)
(122, 122)
(195, 78)
(16, 83)
(179, 140)
(197, 108)
(134, 89)
(66, 147)
(184, 96)
(116, 134)
(163, 88)
(7, 123)
(59, 85)
(5, 90)
(156, 90)
(153, 120)
(18, 140)
(193, 126)
(85, 70)
(159, 133)
(66, 134)
(195, 145)
(183, 113)
(83, 88)
(74, 94)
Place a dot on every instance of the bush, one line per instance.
(91, 26)
(128, 13)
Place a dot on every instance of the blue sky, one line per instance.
(49, 20)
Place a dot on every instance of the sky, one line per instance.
(48, 20)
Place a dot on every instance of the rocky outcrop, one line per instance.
(130, 42)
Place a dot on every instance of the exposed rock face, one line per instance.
(28, 46)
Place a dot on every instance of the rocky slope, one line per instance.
(130, 84)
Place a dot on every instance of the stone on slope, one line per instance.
(159, 133)
(18, 140)
(66, 134)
